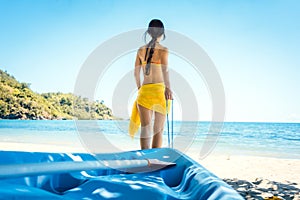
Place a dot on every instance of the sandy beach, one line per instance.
(252, 176)
(251, 167)
(257, 177)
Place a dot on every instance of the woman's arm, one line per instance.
(137, 70)
(165, 70)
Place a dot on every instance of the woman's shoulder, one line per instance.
(143, 47)
(162, 49)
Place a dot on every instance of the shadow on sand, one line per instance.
(263, 189)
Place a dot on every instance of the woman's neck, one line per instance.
(157, 40)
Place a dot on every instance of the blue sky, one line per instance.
(254, 45)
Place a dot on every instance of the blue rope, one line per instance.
(172, 119)
(168, 124)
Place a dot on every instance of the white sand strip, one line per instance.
(252, 167)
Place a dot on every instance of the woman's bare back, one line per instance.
(157, 66)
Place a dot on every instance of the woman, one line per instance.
(154, 89)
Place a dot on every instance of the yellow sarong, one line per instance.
(152, 97)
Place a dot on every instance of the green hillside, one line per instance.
(18, 101)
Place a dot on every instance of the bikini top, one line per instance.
(144, 63)
(152, 63)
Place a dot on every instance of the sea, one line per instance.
(278, 140)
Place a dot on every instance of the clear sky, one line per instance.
(254, 45)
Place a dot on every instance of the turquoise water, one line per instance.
(257, 139)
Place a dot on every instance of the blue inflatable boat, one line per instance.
(144, 174)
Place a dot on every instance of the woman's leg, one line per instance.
(145, 116)
(158, 128)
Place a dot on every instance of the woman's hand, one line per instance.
(168, 94)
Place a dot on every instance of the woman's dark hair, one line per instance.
(155, 30)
